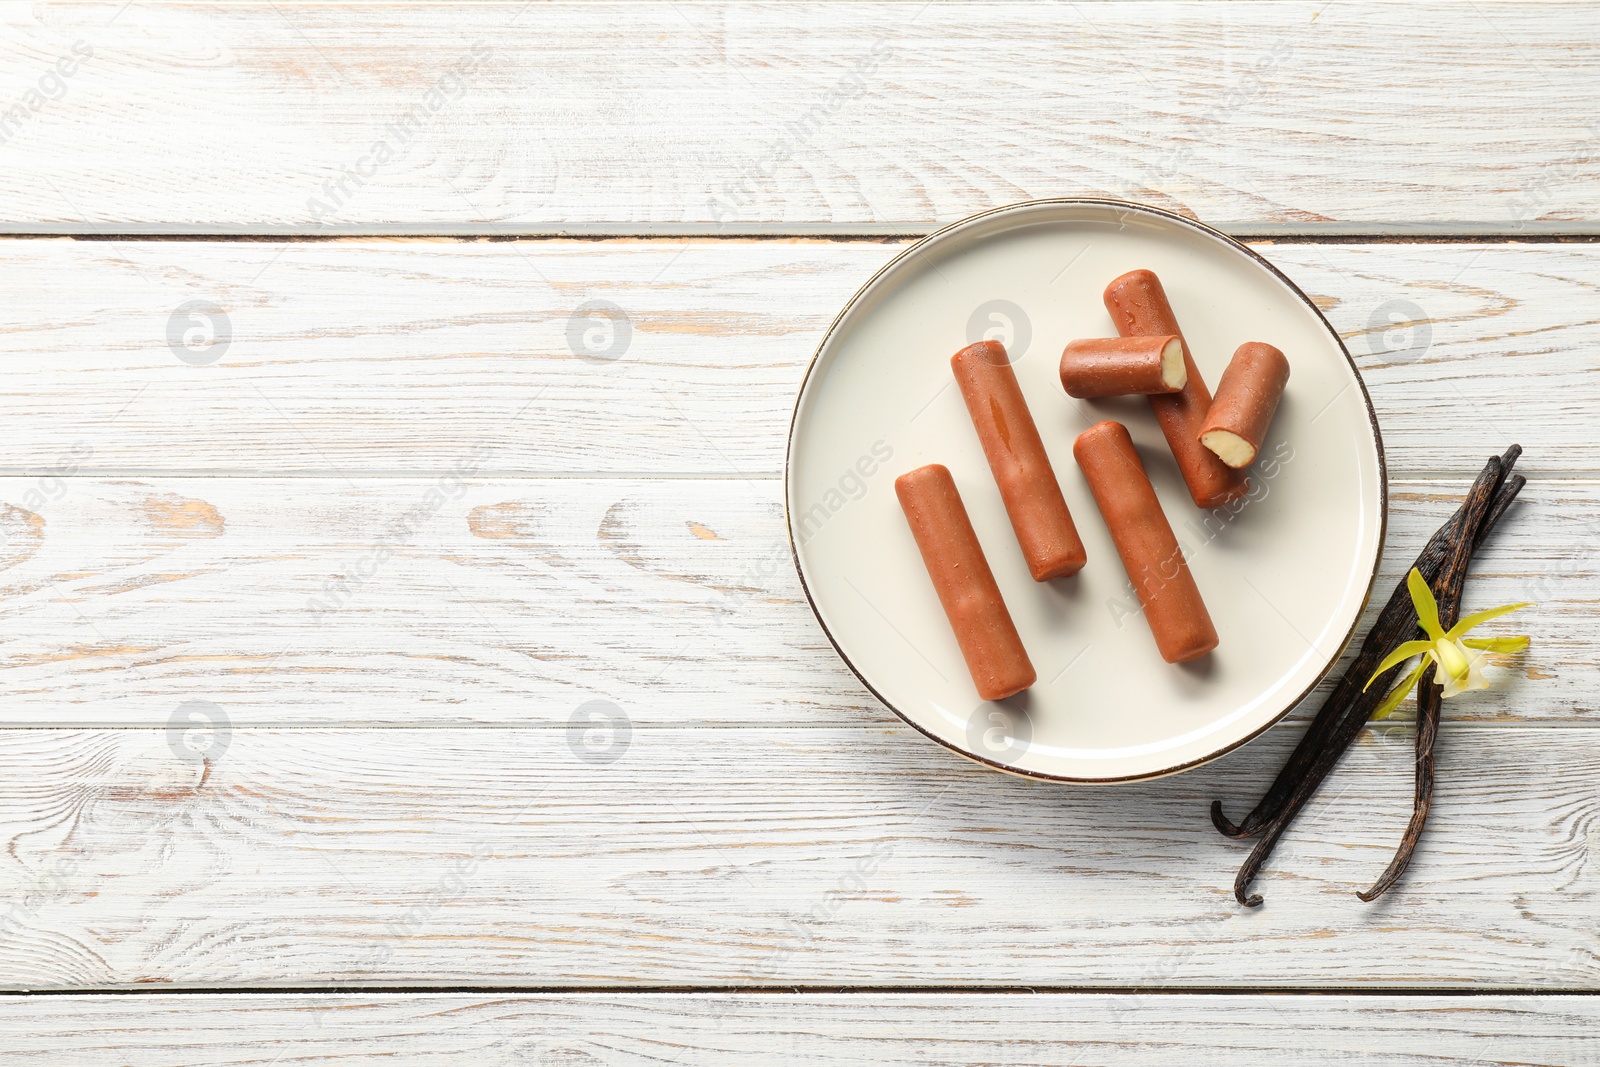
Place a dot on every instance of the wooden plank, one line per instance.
(381, 356)
(513, 601)
(734, 118)
(862, 1030)
(770, 857)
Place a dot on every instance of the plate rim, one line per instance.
(1194, 224)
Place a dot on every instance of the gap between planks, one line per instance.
(424, 473)
(1309, 235)
(875, 729)
(803, 989)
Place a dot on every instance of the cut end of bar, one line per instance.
(1174, 374)
(1232, 449)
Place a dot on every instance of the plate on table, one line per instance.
(1285, 571)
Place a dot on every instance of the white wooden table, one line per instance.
(295, 447)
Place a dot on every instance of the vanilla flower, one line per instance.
(1458, 661)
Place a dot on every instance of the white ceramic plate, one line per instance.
(1285, 575)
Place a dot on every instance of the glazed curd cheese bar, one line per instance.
(1122, 366)
(1247, 398)
(989, 642)
(1028, 486)
(1139, 308)
(1150, 554)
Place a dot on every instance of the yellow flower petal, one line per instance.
(1453, 660)
(1427, 607)
(1497, 644)
(1399, 655)
(1478, 617)
(1469, 679)
(1398, 693)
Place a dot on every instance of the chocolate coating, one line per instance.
(1150, 554)
(1038, 512)
(1247, 398)
(1139, 307)
(989, 642)
(1122, 366)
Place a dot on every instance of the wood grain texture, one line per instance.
(406, 640)
(513, 601)
(867, 1030)
(769, 857)
(728, 118)
(381, 356)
